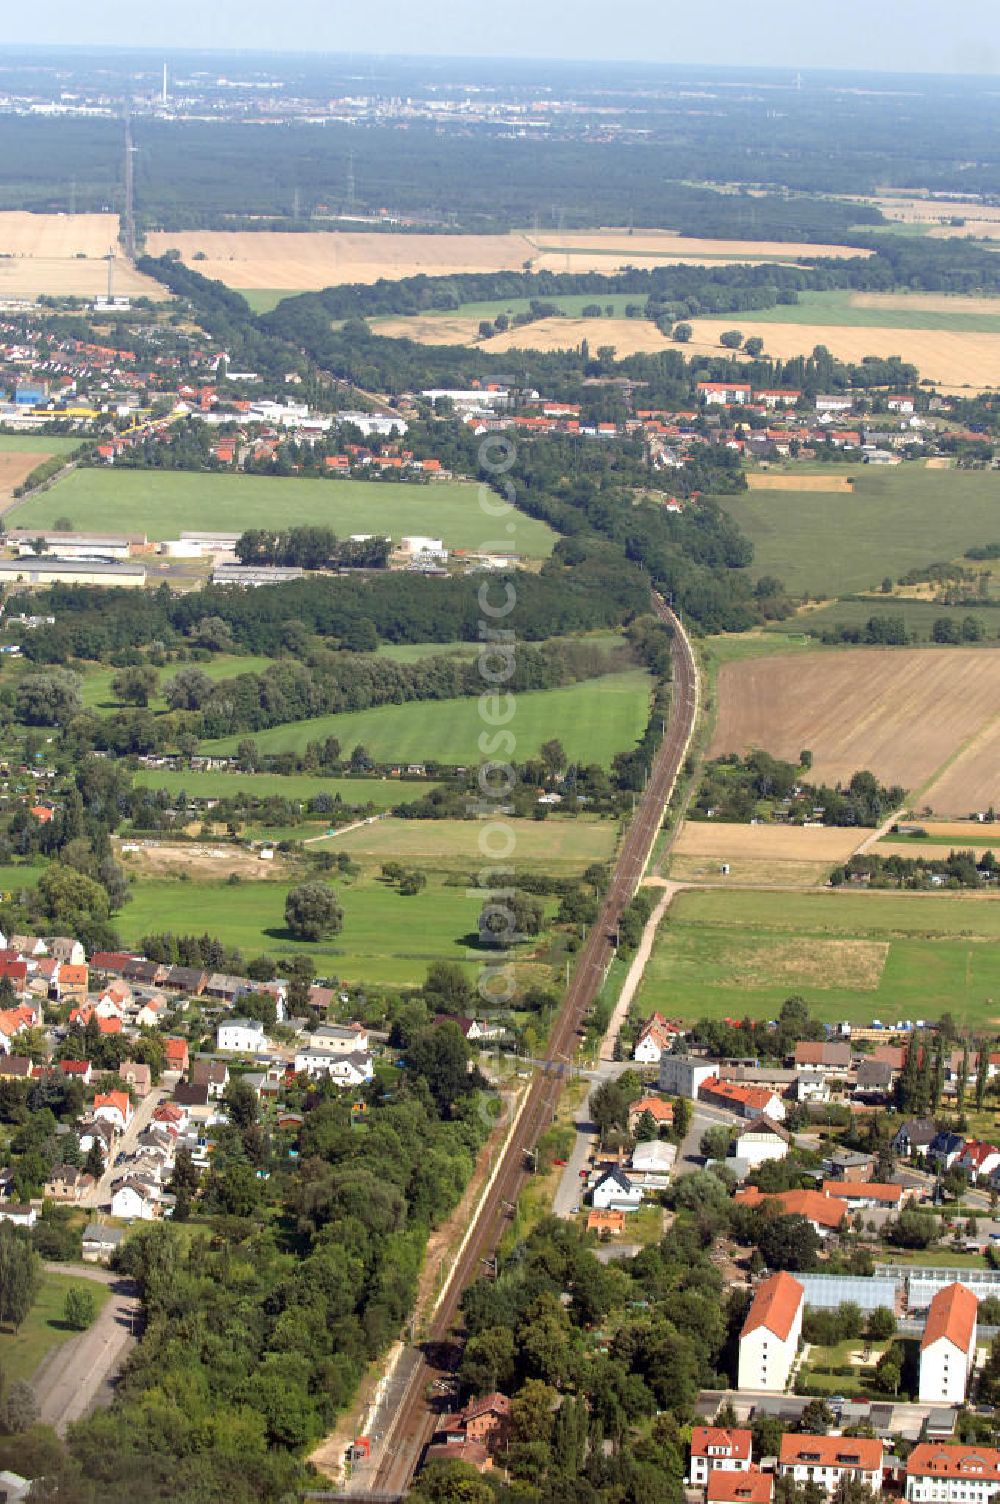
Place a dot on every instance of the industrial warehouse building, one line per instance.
(48, 571)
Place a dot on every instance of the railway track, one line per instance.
(412, 1423)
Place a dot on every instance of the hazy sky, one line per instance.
(898, 35)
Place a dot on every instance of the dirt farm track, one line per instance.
(926, 719)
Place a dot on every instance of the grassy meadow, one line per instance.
(918, 616)
(558, 844)
(895, 520)
(38, 443)
(22, 1352)
(593, 719)
(381, 792)
(854, 956)
(163, 503)
(837, 309)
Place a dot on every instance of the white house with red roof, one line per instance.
(829, 1460)
(938, 1473)
(770, 1336)
(655, 1038)
(732, 1487)
(114, 1107)
(723, 393)
(948, 1346)
(718, 1447)
(978, 1159)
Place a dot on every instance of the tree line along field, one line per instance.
(891, 522)
(918, 616)
(906, 714)
(854, 956)
(381, 792)
(162, 504)
(97, 693)
(593, 719)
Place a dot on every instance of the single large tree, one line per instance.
(19, 1275)
(312, 911)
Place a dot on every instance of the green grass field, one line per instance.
(386, 939)
(21, 1354)
(264, 299)
(835, 308)
(919, 616)
(161, 504)
(593, 720)
(854, 956)
(382, 792)
(895, 520)
(38, 443)
(19, 875)
(98, 695)
(557, 844)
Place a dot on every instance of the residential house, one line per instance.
(945, 1149)
(135, 1200)
(14, 1021)
(723, 393)
(137, 1076)
(660, 1111)
(759, 1140)
(873, 1079)
(175, 1054)
(19, 1214)
(745, 1101)
(937, 1473)
(830, 1056)
(864, 1194)
(684, 1075)
(978, 1159)
(473, 1029)
(616, 1192)
(825, 1213)
(100, 1132)
(14, 1067)
(242, 1036)
(65, 948)
(142, 973)
(770, 1335)
(483, 1420)
(948, 1346)
(77, 1070)
(727, 1486)
(828, 1460)
(152, 1013)
(71, 982)
(848, 1164)
(211, 1073)
(352, 1039)
(915, 1137)
(113, 1107)
(655, 1039)
(349, 1070)
(893, 1055)
(66, 1183)
(100, 1243)
(189, 979)
(194, 1101)
(652, 1158)
(718, 1447)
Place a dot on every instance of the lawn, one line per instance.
(97, 693)
(19, 875)
(558, 844)
(161, 504)
(854, 956)
(386, 938)
(43, 1329)
(917, 616)
(38, 443)
(381, 792)
(895, 520)
(264, 299)
(593, 719)
(836, 309)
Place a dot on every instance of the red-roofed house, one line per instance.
(948, 1346)
(175, 1054)
(12, 1022)
(746, 1101)
(727, 1486)
(718, 1447)
(827, 1460)
(77, 1070)
(114, 1107)
(978, 1159)
(770, 1335)
(962, 1474)
(660, 1111)
(826, 1213)
(655, 1037)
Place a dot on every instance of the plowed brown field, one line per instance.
(904, 714)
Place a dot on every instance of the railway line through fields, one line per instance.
(410, 1424)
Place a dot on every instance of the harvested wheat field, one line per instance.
(972, 781)
(764, 855)
(901, 713)
(951, 360)
(924, 302)
(326, 258)
(63, 255)
(766, 480)
(913, 209)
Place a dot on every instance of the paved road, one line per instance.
(412, 1424)
(77, 1376)
(141, 1117)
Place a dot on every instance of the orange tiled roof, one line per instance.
(775, 1305)
(952, 1315)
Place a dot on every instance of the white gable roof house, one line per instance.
(616, 1192)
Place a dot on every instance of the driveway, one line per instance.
(76, 1376)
